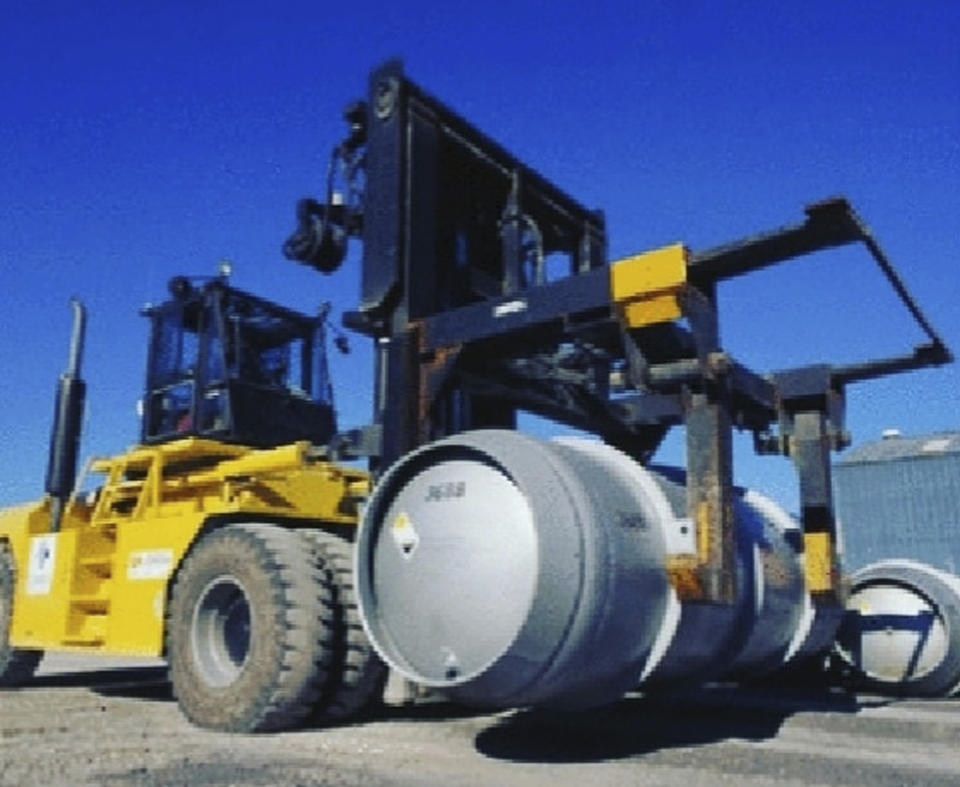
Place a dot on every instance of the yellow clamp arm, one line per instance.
(645, 288)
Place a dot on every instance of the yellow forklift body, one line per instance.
(100, 583)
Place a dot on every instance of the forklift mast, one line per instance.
(227, 365)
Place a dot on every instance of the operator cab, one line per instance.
(228, 365)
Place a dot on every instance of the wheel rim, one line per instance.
(220, 631)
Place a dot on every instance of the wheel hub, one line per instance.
(220, 631)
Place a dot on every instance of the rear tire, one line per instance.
(357, 675)
(249, 630)
(16, 665)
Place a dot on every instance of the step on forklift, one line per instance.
(222, 542)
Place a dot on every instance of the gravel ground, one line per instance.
(79, 723)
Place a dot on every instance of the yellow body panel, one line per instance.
(42, 582)
(648, 311)
(820, 563)
(101, 583)
(645, 287)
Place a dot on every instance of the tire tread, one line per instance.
(357, 675)
(17, 665)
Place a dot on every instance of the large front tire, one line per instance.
(16, 665)
(249, 630)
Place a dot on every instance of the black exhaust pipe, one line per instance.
(67, 422)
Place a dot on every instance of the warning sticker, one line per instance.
(404, 536)
(150, 564)
(43, 559)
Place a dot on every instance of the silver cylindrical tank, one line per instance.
(902, 631)
(508, 571)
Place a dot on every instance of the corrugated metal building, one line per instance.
(899, 497)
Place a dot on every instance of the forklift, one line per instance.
(224, 541)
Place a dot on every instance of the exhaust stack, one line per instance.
(67, 417)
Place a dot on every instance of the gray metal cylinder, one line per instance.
(902, 631)
(508, 571)
(770, 621)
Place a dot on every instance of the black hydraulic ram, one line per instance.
(67, 422)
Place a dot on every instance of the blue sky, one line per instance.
(139, 141)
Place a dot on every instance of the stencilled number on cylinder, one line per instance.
(450, 490)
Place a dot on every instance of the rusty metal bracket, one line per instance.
(713, 577)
